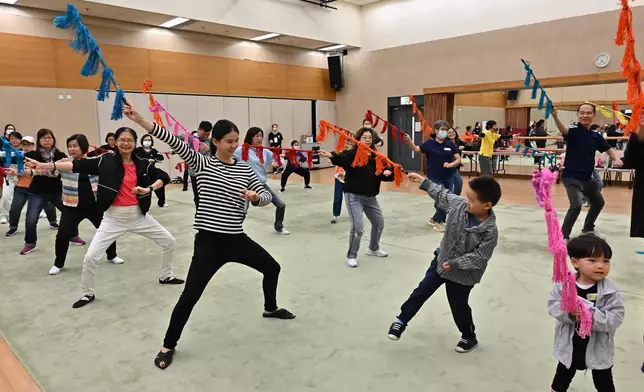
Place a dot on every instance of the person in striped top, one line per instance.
(225, 187)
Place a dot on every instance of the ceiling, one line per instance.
(153, 19)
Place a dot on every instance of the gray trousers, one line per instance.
(576, 190)
(280, 208)
(356, 205)
(486, 165)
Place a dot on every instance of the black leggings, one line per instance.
(69, 221)
(603, 379)
(212, 251)
(301, 171)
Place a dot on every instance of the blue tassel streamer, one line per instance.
(106, 84)
(117, 111)
(12, 153)
(535, 88)
(71, 18)
(518, 148)
(528, 77)
(542, 99)
(525, 152)
(93, 62)
(548, 109)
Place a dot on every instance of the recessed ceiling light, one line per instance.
(265, 36)
(8, 1)
(334, 47)
(173, 22)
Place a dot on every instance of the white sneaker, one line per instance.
(377, 253)
(283, 232)
(54, 270)
(42, 215)
(3, 221)
(116, 260)
(165, 205)
(353, 263)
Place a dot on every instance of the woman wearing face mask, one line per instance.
(125, 186)
(453, 137)
(254, 137)
(226, 186)
(361, 186)
(147, 151)
(79, 200)
(7, 130)
(44, 189)
(442, 158)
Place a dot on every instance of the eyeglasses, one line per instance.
(124, 141)
(48, 137)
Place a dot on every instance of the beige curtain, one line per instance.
(517, 118)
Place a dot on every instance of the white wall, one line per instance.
(289, 17)
(391, 23)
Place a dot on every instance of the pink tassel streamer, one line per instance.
(542, 184)
(168, 119)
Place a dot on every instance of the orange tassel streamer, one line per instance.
(323, 132)
(399, 174)
(259, 150)
(381, 161)
(245, 150)
(631, 67)
(147, 86)
(276, 155)
(363, 154)
(414, 107)
(343, 138)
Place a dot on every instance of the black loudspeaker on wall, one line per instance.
(513, 95)
(335, 72)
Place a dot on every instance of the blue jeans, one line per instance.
(458, 183)
(338, 191)
(441, 215)
(20, 197)
(37, 203)
(356, 205)
(457, 295)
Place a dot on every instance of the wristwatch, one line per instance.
(151, 188)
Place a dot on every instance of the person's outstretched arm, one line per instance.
(563, 128)
(444, 198)
(195, 160)
(411, 144)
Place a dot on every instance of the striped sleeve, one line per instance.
(265, 197)
(195, 160)
(445, 199)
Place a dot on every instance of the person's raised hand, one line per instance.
(387, 173)
(249, 195)
(618, 163)
(325, 154)
(130, 112)
(447, 267)
(32, 163)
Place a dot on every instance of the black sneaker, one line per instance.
(83, 301)
(282, 190)
(53, 225)
(172, 280)
(396, 330)
(11, 232)
(308, 187)
(466, 345)
(588, 231)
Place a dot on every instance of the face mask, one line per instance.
(147, 143)
(442, 134)
(9, 131)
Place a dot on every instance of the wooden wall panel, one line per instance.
(254, 78)
(131, 66)
(48, 62)
(27, 61)
(188, 73)
(493, 99)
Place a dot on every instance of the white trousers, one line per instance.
(116, 222)
(7, 197)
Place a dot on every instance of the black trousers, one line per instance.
(211, 252)
(301, 171)
(576, 191)
(457, 295)
(70, 218)
(161, 196)
(603, 379)
(195, 193)
(184, 180)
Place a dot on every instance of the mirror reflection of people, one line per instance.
(301, 169)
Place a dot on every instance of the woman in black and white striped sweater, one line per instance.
(225, 185)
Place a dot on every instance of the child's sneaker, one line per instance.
(466, 345)
(11, 232)
(439, 227)
(334, 220)
(396, 330)
(432, 222)
(77, 241)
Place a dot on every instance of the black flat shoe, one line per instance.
(172, 280)
(281, 314)
(163, 360)
(83, 301)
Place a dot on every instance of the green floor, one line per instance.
(338, 341)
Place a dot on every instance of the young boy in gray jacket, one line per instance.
(470, 238)
(590, 255)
